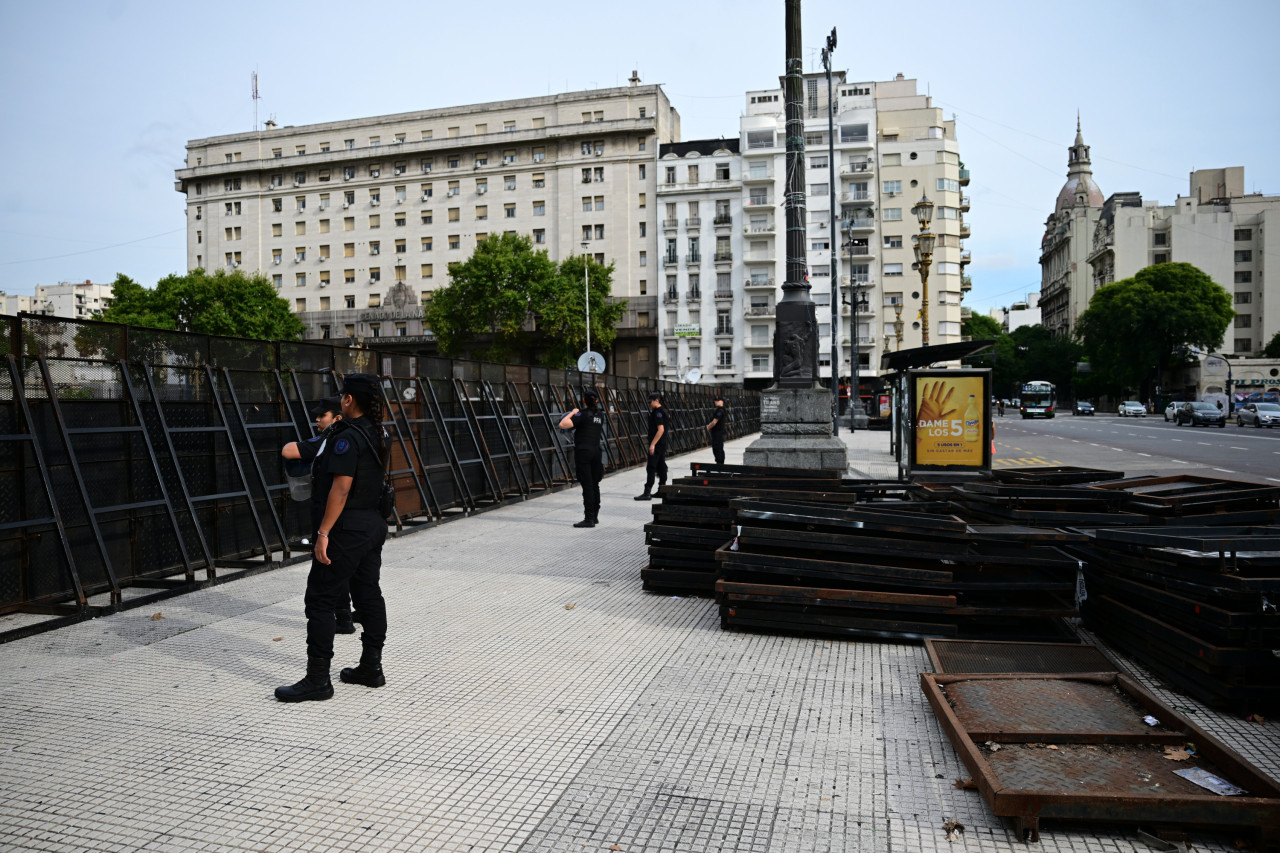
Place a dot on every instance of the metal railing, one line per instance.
(150, 460)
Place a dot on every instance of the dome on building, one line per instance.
(1067, 195)
(1079, 176)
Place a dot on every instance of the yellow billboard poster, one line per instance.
(951, 419)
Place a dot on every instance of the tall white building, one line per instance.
(699, 199)
(357, 221)
(1023, 313)
(1217, 228)
(14, 303)
(1065, 282)
(83, 300)
(891, 147)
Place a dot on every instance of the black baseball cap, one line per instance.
(655, 395)
(326, 404)
(356, 383)
(590, 397)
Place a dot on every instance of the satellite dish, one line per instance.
(409, 394)
(692, 377)
(591, 362)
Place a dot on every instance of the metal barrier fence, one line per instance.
(144, 458)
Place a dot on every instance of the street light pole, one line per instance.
(925, 242)
(586, 290)
(835, 272)
(855, 398)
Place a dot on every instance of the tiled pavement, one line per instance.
(510, 721)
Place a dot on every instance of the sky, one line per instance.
(100, 98)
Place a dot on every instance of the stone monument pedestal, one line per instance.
(795, 431)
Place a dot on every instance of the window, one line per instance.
(892, 269)
(455, 188)
(822, 271)
(375, 141)
(348, 223)
(693, 174)
(199, 188)
(324, 252)
(375, 300)
(1244, 321)
(1244, 344)
(1160, 238)
(455, 214)
(427, 270)
(375, 220)
(455, 241)
(948, 327)
(670, 174)
(893, 241)
(1160, 258)
(644, 259)
(277, 255)
(760, 139)
(643, 228)
(277, 280)
(400, 247)
(424, 298)
(482, 159)
(1244, 298)
(375, 247)
(300, 279)
(427, 163)
(349, 277)
(1244, 276)
(891, 214)
(820, 191)
(482, 212)
(231, 184)
(277, 205)
(1244, 234)
(641, 201)
(509, 211)
(400, 219)
(819, 245)
(426, 217)
(300, 203)
(815, 162)
(375, 274)
(324, 201)
(276, 153)
(853, 133)
(300, 304)
(509, 182)
(200, 237)
(948, 185)
(1244, 256)
(299, 178)
(539, 208)
(299, 228)
(586, 232)
(892, 187)
(453, 161)
(400, 273)
(426, 244)
(539, 235)
(348, 250)
(539, 180)
(539, 155)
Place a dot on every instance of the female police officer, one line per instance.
(349, 542)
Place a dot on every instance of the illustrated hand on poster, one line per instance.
(933, 406)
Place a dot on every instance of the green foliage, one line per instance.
(1133, 327)
(1030, 353)
(981, 327)
(1272, 349)
(218, 303)
(486, 309)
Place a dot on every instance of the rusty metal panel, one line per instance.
(1093, 747)
(955, 656)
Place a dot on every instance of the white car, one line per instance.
(1132, 409)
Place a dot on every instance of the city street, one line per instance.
(1138, 446)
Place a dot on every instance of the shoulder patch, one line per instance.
(314, 439)
(341, 446)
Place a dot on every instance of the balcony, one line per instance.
(670, 224)
(759, 258)
(725, 368)
(693, 222)
(723, 220)
(964, 177)
(856, 197)
(723, 294)
(965, 285)
(857, 170)
(757, 176)
(964, 230)
(858, 225)
(758, 284)
(754, 344)
(767, 228)
(694, 295)
(759, 312)
(858, 282)
(965, 258)
(964, 204)
(670, 260)
(758, 202)
(724, 330)
(866, 341)
(856, 251)
(670, 297)
(724, 257)
(693, 259)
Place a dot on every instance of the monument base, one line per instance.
(795, 431)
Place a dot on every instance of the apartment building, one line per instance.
(83, 300)
(1065, 280)
(699, 200)
(14, 303)
(891, 147)
(357, 221)
(1216, 227)
(1022, 313)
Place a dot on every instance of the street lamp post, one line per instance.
(834, 278)
(924, 244)
(855, 399)
(586, 290)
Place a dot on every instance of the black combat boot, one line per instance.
(343, 623)
(586, 522)
(368, 672)
(646, 495)
(314, 686)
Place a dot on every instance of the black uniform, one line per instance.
(314, 451)
(355, 541)
(657, 466)
(588, 430)
(718, 432)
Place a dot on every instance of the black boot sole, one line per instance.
(291, 694)
(349, 676)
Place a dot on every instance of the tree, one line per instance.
(218, 303)
(1272, 349)
(981, 327)
(487, 308)
(1133, 328)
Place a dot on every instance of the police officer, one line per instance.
(588, 428)
(349, 540)
(657, 466)
(326, 413)
(717, 429)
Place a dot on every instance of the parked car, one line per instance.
(1132, 409)
(1201, 414)
(1082, 407)
(1258, 414)
(1171, 410)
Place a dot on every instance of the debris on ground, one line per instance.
(570, 606)
(157, 616)
(966, 784)
(953, 828)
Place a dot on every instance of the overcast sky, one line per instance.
(100, 98)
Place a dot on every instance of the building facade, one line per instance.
(14, 303)
(357, 221)
(1217, 228)
(1066, 284)
(82, 300)
(1019, 314)
(699, 200)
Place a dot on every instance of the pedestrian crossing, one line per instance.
(998, 461)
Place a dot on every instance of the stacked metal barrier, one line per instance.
(143, 458)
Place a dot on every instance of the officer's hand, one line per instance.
(322, 549)
(651, 450)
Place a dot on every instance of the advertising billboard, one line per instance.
(951, 420)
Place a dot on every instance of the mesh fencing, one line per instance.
(137, 457)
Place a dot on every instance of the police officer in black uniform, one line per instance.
(717, 429)
(657, 466)
(588, 428)
(349, 539)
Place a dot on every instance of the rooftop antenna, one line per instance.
(256, 98)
